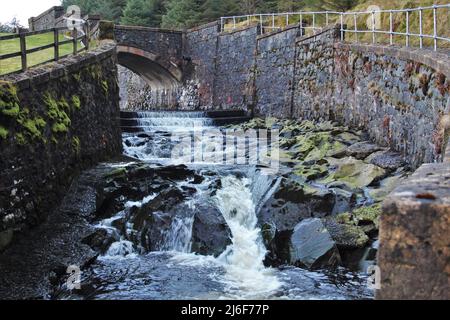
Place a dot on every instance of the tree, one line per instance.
(182, 14)
(143, 13)
(337, 5)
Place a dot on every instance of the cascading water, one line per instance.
(170, 270)
(243, 260)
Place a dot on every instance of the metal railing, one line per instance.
(74, 38)
(350, 23)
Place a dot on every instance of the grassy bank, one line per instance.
(13, 45)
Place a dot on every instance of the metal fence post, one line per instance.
(373, 28)
(342, 26)
(391, 28)
(435, 27)
(301, 25)
(407, 28)
(420, 28)
(355, 20)
(326, 18)
(261, 23)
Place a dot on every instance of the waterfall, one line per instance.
(243, 259)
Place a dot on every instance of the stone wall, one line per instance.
(275, 63)
(398, 95)
(233, 87)
(54, 121)
(47, 19)
(200, 48)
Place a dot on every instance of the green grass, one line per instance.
(13, 45)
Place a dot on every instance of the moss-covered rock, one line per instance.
(368, 218)
(346, 236)
(9, 101)
(355, 173)
(3, 133)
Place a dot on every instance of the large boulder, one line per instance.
(210, 232)
(362, 150)
(356, 174)
(294, 201)
(388, 160)
(346, 236)
(312, 246)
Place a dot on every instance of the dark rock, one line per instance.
(387, 160)
(362, 150)
(312, 246)
(100, 240)
(345, 200)
(346, 236)
(210, 232)
(292, 202)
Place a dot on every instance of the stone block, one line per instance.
(414, 255)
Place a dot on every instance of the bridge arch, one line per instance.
(157, 71)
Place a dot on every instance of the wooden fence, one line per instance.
(75, 38)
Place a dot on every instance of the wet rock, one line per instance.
(362, 150)
(100, 240)
(294, 201)
(367, 218)
(346, 236)
(355, 173)
(386, 159)
(5, 238)
(345, 200)
(210, 232)
(312, 246)
(386, 186)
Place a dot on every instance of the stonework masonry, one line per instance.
(56, 120)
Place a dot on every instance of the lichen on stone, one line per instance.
(76, 145)
(3, 133)
(76, 102)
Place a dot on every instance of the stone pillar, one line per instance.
(414, 255)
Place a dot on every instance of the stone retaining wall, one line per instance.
(54, 121)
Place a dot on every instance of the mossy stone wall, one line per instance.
(54, 121)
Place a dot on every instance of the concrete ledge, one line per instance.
(414, 255)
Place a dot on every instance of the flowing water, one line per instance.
(125, 271)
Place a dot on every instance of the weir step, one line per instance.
(183, 114)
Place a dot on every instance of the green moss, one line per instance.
(76, 102)
(56, 111)
(105, 86)
(3, 133)
(21, 139)
(362, 216)
(9, 101)
(34, 127)
(76, 145)
(59, 128)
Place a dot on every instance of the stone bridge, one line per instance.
(154, 54)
